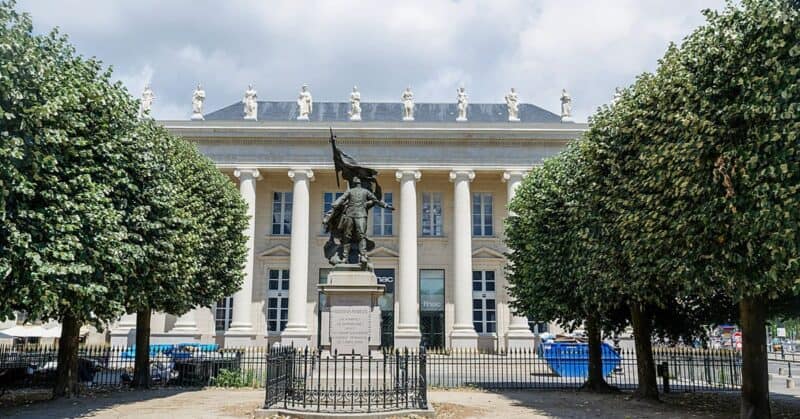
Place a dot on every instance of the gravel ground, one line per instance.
(456, 404)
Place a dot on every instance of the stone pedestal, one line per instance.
(197, 116)
(352, 322)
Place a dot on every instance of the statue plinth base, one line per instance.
(197, 117)
(355, 118)
(408, 118)
(351, 322)
(250, 118)
(461, 119)
(510, 119)
(302, 118)
(567, 119)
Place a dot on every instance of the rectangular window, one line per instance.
(431, 213)
(277, 299)
(431, 290)
(382, 218)
(327, 202)
(484, 312)
(482, 214)
(282, 213)
(223, 312)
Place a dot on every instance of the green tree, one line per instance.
(702, 161)
(188, 221)
(65, 129)
(555, 257)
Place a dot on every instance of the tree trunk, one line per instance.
(67, 371)
(141, 368)
(755, 381)
(645, 365)
(596, 382)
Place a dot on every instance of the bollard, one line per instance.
(789, 383)
(780, 370)
(789, 365)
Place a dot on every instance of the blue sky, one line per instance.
(538, 47)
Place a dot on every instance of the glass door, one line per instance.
(431, 307)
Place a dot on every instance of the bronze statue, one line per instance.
(347, 219)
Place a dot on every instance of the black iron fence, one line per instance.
(681, 369)
(170, 365)
(311, 380)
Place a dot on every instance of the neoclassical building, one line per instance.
(440, 254)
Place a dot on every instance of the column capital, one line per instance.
(247, 172)
(408, 174)
(514, 175)
(301, 174)
(462, 174)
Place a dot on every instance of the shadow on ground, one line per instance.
(38, 404)
(580, 404)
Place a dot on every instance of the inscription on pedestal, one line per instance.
(350, 329)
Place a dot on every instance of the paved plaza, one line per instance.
(456, 404)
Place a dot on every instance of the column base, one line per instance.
(520, 339)
(123, 337)
(239, 339)
(298, 337)
(463, 338)
(407, 338)
(173, 338)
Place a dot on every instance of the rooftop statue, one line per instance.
(250, 103)
(347, 219)
(512, 103)
(198, 97)
(566, 106)
(146, 102)
(305, 104)
(462, 104)
(355, 105)
(408, 104)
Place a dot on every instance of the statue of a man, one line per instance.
(198, 97)
(147, 102)
(250, 103)
(355, 105)
(408, 104)
(351, 210)
(512, 103)
(305, 103)
(566, 106)
(462, 104)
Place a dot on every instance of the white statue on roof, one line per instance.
(198, 97)
(566, 106)
(355, 105)
(512, 103)
(462, 104)
(250, 103)
(408, 104)
(147, 102)
(305, 104)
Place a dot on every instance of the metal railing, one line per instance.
(686, 369)
(170, 365)
(311, 380)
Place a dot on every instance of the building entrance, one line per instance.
(386, 303)
(431, 307)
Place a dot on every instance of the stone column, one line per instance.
(297, 332)
(240, 332)
(185, 329)
(463, 334)
(408, 334)
(519, 335)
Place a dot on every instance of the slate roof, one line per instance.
(385, 112)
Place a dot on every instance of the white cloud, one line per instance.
(538, 46)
